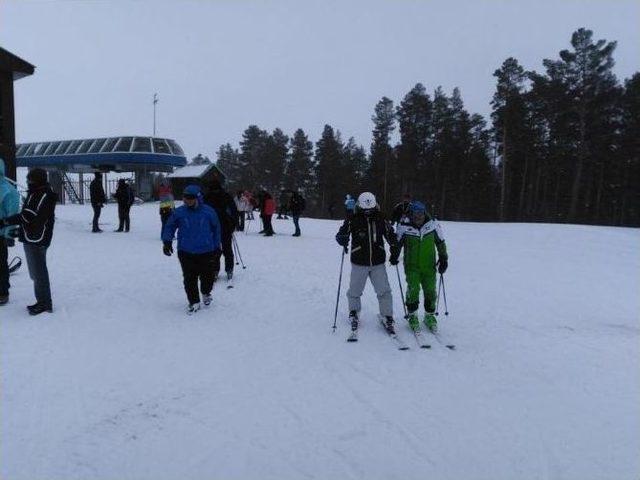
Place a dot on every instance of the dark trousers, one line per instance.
(123, 217)
(268, 227)
(96, 216)
(227, 251)
(36, 256)
(196, 266)
(296, 223)
(240, 221)
(4, 267)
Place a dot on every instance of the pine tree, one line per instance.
(228, 161)
(382, 169)
(273, 160)
(299, 173)
(328, 159)
(252, 149)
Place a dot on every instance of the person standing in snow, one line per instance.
(283, 204)
(125, 197)
(9, 206)
(349, 206)
(367, 230)
(218, 199)
(198, 245)
(241, 207)
(268, 209)
(98, 199)
(401, 210)
(296, 207)
(36, 222)
(421, 236)
(165, 196)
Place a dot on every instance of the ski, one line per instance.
(394, 336)
(15, 264)
(420, 338)
(442, 341)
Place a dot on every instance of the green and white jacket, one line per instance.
(420, 245)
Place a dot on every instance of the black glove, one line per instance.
(442, 265)
(343, 240)
(395, 255)
(2, 223)
(167, 248)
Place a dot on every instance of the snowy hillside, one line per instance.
(118, 383)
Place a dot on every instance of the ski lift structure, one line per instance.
(141, 155)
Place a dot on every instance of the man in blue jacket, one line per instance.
(198, 243)
(9, 206)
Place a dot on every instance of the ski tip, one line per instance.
(425, 347)
(451, 347)
(403, 348)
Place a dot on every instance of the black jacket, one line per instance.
(124, 195)
(400, 210)
(297, 204)
(97, 192)
(37, 217)
(367, 234)
(225, 207)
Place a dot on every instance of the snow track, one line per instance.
(119, 383)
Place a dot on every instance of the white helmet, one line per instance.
(367, 201)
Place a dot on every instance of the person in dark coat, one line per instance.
(125, 197)
(36, 222)
(198, 242)
(225, 207)
(296, 207)
(98, 199)
(401, 210)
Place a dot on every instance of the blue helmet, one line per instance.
(415, 207)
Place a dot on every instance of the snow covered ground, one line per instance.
(118, 383)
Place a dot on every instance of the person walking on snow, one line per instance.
(421, 236)
(167, 205)
(198, 244)
(218, 199)
(367, 230)
(296, 207)
(98, 199)
(125, 197)
(9, 206)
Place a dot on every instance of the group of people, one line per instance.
(425, 252)
(124, 195)
(33, 226)
(290, 202)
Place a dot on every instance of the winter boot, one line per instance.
(414, 323)
(4, 299)
(431, 322)
(38, 308)
(206, 299)
(353, 316)
(389, 325)
(193, 308)
(229, 276)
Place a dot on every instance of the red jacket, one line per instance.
(269, 206)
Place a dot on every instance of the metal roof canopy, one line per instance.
(127, 153)
(12, 63)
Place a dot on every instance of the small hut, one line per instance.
(201, 175)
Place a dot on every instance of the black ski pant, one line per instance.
(4, 267)
(123, 217)
(268, 227)
(227, 251)
(97, 208)
(296, 223)
(196, 267)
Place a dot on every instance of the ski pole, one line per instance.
(438, 297)
(404, 305)
(335, 316)
(235, 242)
(444, 295)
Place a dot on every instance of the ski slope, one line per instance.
(118, 383)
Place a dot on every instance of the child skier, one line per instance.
(367, 230)
(421, 236)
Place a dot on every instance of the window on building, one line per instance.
(142, 144)
(29, 151)
(21, 149)
(109, 144)
(53, 146)
(84, 148)
(160, 146)
(39, 149)
(73, 147)
(97, 145)
(62, 147)
(175, 147)
(124, 145)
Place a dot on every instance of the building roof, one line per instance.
(14, 64)
(191, 171)
(120, 153)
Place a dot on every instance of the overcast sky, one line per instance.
(220, 66)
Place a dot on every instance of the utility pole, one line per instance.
(155, 102)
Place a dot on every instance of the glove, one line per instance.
(167, 248)
(394, 257)
(393, 260)
(442, 265)
(2, 223)
(343, 240)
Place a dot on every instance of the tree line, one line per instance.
(561, 145)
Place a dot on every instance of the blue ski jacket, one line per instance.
(198, 227)
(9, 201)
